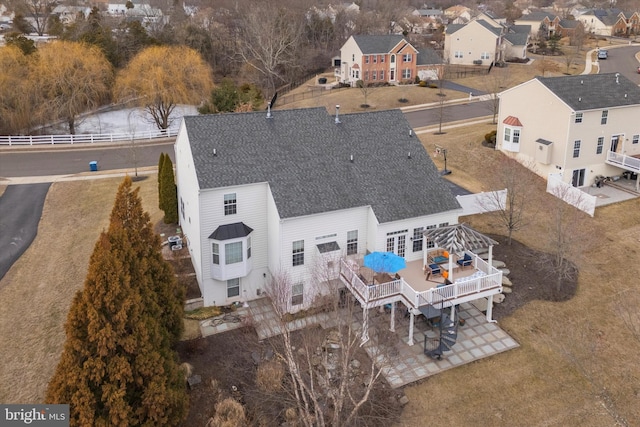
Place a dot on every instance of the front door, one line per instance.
(614, 143)
(397, 244)
(392, 75)
(578, 178)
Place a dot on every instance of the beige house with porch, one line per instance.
(578, 126)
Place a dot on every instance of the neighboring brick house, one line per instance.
(580, 126)
(380, 59)
(610, 22)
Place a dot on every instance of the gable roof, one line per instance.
(428, 56)
(304, 156)
(593, 91)
(378, 44)
(485, 24)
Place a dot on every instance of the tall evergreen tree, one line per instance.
(160, 165)
(114, 369)
(165, 299)
(169, 193)
(118, 367)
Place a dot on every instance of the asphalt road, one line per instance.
(622, 60)
(67, 160)
(20, 211)
(450, 113)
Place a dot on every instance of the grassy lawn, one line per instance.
(577, 364)
(36, 293)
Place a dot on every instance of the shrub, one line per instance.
(269, 376)
(422, 83)
(229, 413)
(417, 80)
(490, 138)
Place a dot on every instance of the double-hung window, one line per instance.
(233, 288)
(298, 252)
(578, 118)
(605, 116)
(352, 242)
(406, 73)
(407, 57)
(576, 148)
(417, 239)
(635, 139)
(215, 250)
(297, 294)
(230, 204)
(600, 145)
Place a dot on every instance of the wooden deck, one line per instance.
(414, 290)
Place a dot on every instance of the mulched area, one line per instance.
(532, 277)
(227, 363)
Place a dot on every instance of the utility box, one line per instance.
(93, 166)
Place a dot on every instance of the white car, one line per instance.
(603, 54)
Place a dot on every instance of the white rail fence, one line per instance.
(87, 138)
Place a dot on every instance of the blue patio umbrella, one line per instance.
(384, 262)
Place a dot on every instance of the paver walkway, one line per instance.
(401, 364)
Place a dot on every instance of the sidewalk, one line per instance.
(148, 170)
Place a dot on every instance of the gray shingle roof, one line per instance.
(231, 231)
(305, 157)
(428, 56)
(593, 91)
(517, 39)
(452, 28)
(378, 44)
(489, 27)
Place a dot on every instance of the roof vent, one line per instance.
(617, 77)
(269, 116)
(215, 152)
(409, 155)
(351, 158)
(338, 118)
(580, 99)
(625, 95)
(581, 82)
(410, 132)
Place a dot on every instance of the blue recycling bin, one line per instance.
(93, 166)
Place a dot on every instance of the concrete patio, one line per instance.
(400, 363)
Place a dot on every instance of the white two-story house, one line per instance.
(290, 192)
(580, 126)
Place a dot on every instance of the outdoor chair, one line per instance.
(433, 269)
(465, 261)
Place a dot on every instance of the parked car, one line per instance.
(638, 70)
(603, 54)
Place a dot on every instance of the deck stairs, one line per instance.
(447, 337)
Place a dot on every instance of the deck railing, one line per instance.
(627, 162)
(487, 278)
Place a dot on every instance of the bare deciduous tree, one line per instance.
(568, 232)
(268, 40)
(320, 365)
(39, 11)
(511, 209)
(495, 82)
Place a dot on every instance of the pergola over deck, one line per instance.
(456, 239)
(484, 283)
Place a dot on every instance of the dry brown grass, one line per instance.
(36, 292)
(574, 356)
(577, 364)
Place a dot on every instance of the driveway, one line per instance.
(20, 212)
